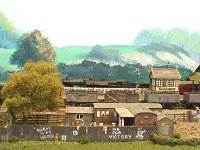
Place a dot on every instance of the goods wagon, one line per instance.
(191, 100)
(121, 97)
(81, 97)
(166, 100)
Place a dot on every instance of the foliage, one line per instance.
(174, 140)
(181, 37)
(130, 72)
(33, 46)
(36, 88)
(176, 135)
(4, 75)
(103, 54)
(152, 48)
(184, 72)
(13, 139)
(8, 33)
(136, 145)
(83, 139)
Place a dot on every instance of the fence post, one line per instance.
(47, 118)
(37, 119)
(189, 116)
(183, 117)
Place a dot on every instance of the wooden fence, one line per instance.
(183, 117)
(43, 119)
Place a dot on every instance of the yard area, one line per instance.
(185, 129)
(44, 145)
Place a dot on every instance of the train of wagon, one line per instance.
(87, 95)
(164, 87)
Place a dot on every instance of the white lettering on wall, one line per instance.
(64, 138)
(116, 134)
(45, 133)
(140, 133)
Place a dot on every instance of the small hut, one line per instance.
(165, 124)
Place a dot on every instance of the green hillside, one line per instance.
(69, 54)
(5, 57)
(72, 54)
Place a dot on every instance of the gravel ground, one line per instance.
(186, 129)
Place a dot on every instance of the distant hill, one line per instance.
(8, 33)
(76, 54)
(160, 54)
(151, 54)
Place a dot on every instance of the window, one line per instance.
(79, 116)
(153, 82)
(159, 82)
(107, 113)
(102, 113)
(170, 83)
(98, 113)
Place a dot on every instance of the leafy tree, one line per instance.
(106, 55)
(33, 46)
(36, 88)
(8, 33)
(184, 73)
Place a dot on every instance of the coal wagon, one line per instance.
(81, 97)
(121, 97)
(191, 100)
(166, 100)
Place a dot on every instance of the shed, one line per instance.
(79, 115)
(122, 113)
(164, 79)
(143, 116)
(125, 118)
(165, 124)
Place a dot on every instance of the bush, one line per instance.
(13, 139)
(83, 139)
(176, 136)
(174, 140)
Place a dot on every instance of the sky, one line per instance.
(104, 22)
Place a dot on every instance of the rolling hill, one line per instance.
(151, 54)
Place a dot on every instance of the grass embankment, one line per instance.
(44, 145)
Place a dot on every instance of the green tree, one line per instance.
(36, 88)
(33, 46)
(100, 53)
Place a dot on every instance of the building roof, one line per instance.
(136, 110)
(195, 77)
(164, 73)
(161, 115)
(124, 112)
(83, 110)
(127, 105)
(198, 69)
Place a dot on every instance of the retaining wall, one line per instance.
(68, 133)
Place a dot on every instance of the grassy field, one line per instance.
(69, 54)
(5, 57)
(36, 145)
